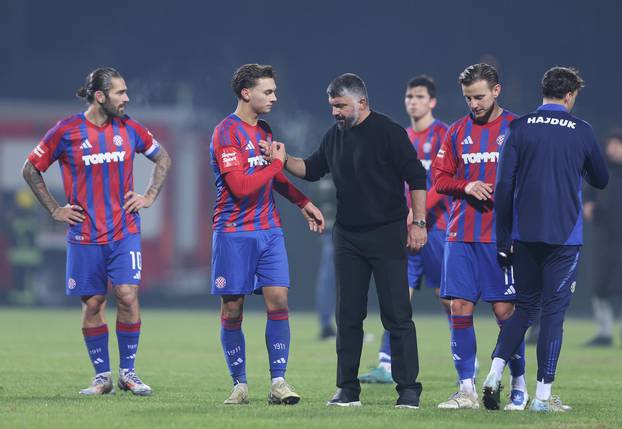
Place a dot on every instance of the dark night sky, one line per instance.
(159, 46)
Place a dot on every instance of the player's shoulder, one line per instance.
(229, 123)
(64, 125)
(458, 124)
(138, 126)
(264, 126)
(440, 125)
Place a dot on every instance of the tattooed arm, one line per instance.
(135, 201)
(69, 213)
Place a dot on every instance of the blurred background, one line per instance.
(177, 59)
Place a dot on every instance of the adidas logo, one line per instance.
(456, 357)
(467, 140)
(249, 146)
(137, 275)
(86, 144)
(131, 357)
(510, 291)
(280, 360)
(98, 361)
(237, 362)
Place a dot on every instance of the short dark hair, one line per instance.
(423, 80)
(559, 81)
(480, 71)
(347, 84)
(99, 79)
(246, 76)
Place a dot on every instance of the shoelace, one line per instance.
(131, 376)
(99, 379)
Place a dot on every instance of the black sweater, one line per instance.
(369, 163)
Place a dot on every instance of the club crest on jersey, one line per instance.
(71, 284)
(106, 157)
(230, 159)
(220, 282)
(427, 147)
(500, 139)
(254, 161)
(117, 140)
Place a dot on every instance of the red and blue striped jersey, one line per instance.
(235, 147)
(427, 144)
(96, 165)
(470, 152)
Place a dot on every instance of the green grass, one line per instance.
(43, 364)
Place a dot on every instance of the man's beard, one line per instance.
(110, 110)
(345, 123)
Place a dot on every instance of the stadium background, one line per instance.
(178, 57)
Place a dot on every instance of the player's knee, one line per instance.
(461, 307)
(232, 309)
(503, 310)
(127, 298)
(94, 305)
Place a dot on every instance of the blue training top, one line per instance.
(538, 189)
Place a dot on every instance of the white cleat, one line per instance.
(129, 381)
(239, 395)
(517, 401)
(460, 400)
(552, 405)
(101, 384)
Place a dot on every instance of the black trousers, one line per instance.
(359, 253)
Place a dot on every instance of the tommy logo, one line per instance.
(249, 146)
(117, 140)
(467, 140)
(254, 161)
(39, 151)
(100, 158)
(86, 144)
(479, 157)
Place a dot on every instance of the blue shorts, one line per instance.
(244, 262)
(471, 272)
(427, 262)
(90, 266)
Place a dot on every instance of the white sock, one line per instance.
(467, 385)
(277, 379)
(543, 390)
(498, 365)
(518, 383)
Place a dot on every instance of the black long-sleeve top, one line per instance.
(369, 164)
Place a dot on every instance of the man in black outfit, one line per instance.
(370, 157)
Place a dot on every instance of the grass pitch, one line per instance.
(43, 364)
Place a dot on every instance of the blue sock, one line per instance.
(463, 345)
(96, 340)
(384, 356)
(517, 360)
(232, 340)
(277, 341)
(127, 338)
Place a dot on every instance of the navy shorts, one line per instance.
(244, 262)
(427, 262)
(90, 266)
(471, 272)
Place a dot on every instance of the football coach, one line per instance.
(370, 157)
